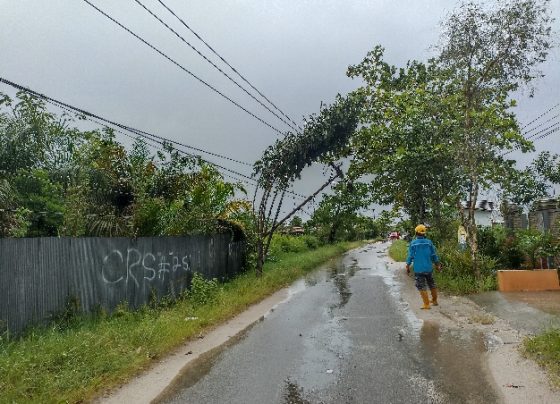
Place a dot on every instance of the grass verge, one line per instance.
(74, 362)
(398, 250)
(464, 284)
(545, 350)
(456, 277)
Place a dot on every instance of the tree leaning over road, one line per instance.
(325, 138)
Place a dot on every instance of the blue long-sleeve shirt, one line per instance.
(423, 253)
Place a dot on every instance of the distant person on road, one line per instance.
(422, 255)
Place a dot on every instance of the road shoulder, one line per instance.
(152, 383)
(518, 380)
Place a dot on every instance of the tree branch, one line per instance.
(310, 197)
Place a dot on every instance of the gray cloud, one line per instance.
(296, 52)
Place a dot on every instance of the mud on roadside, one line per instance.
(515, 379)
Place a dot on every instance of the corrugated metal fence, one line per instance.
(39, 275)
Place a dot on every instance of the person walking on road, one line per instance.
(422, 255)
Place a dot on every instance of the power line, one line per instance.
(90, 115)
(161, 141)
(548, 133)
(143, 134)
(541, 115)
(541, 124)
(180, 66)
(107, 121)
(551, 129)
(158, 145)
(226, 62)
(534, 137)
(543, 130)
(213, 64)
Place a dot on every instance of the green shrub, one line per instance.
(282, 243)
(458, 277)
(536, 245)
(203, 291)
(490, 240)
(511, 255)
(311, 242)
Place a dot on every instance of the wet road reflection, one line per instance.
(343, 335)
(530, 311)
(454, 360)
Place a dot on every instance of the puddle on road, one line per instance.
(452, 365)
(531, 311)
(340, 274)
(548, 301)
(455, 361)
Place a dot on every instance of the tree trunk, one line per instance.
(332, 233)
(470, 223)
(260, 256)
(472, 231)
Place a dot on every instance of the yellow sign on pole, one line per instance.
(462, 236)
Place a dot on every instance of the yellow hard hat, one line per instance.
(420, 229)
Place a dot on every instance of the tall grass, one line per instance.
(398, 250)
(457, 276)
(545, 350)
(71, 362)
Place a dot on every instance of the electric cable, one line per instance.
(180, 66)
(213, 64)
(548, 133)
(107, 121)
(161, 141)
(541, 115)
(541, 124)
(542, 130)
(551, 129)
(181, 20)
(145, 135)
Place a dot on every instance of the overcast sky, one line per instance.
(295, 51)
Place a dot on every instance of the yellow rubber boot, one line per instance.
(434, 297)
(425, 299)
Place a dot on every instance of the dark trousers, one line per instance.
(424, 280)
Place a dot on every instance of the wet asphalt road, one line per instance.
(343, 336)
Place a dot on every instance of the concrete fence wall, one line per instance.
(544, 216)
(39, 275)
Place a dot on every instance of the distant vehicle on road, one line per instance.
(394, 235)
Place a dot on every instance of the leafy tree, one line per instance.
(35, 151)
(44, 199)
(100, 188)
(547, 166)
(437, 131)
(32, 137)
(405, 142)
(524, 186)
(296, 221)
(340, 211)
(207, 202)
(13, 220)
(57, 180)
(487, 53)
